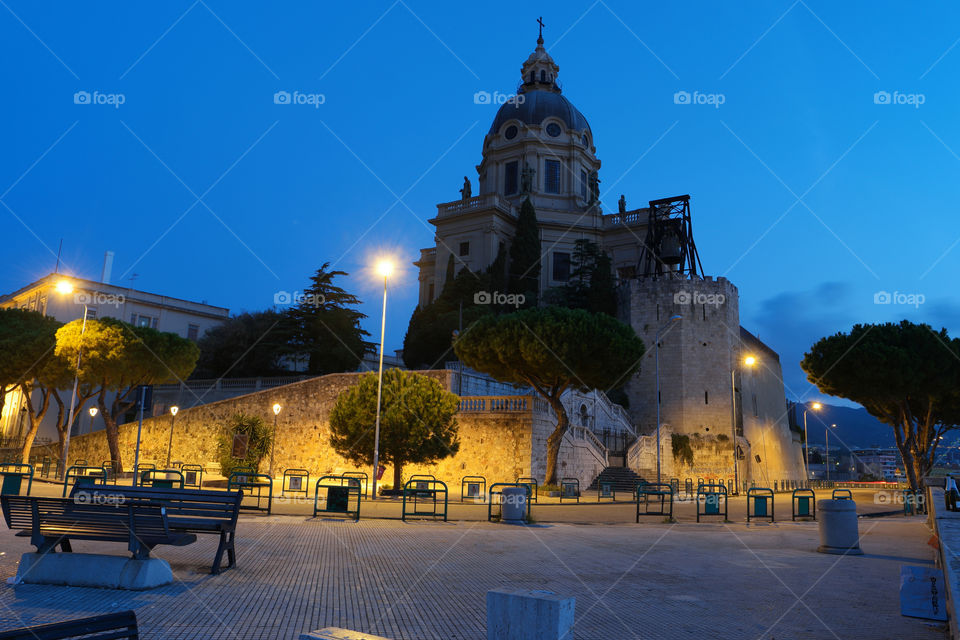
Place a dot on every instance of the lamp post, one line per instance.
(93, 412)
(173, 420)
(273, 438)
(748, 361)
(384, 268)
(657, 359)
(65, 287)
(806, 449)
(827, 431)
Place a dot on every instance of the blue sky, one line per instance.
(812, 189)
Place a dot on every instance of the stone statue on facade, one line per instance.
(622, 204)
(594, 187)
(467, 191)
(526, 179)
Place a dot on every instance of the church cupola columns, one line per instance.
(539, 72)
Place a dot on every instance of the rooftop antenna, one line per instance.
(133, 277)
(59, 249)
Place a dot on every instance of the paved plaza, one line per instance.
(428, 580)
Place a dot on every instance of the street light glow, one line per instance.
(749, 361)
(174, 409)
(816, 406)
(385, 268)
(64, 287)
(92, 411)
(276, 409)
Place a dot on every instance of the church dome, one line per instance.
(537, 106)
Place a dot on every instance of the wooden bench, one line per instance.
(111, 626)
(52, 522)
(188, 510)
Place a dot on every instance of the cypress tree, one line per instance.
(525, 254)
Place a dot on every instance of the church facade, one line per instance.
(727, 419)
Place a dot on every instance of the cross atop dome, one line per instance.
(539, 72)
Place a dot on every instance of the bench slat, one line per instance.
(113, 626)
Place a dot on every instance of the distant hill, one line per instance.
(856, 429)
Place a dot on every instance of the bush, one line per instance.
(682, 451)
(258, 446)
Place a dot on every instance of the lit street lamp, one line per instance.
(657, 359)
(384, 268)
(748, 361)
(93, 412)
(816, 406)
(173, 420)
(273, 439)
(65, 287)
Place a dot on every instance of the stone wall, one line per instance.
(494, 444)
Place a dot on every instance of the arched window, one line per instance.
(543, 75)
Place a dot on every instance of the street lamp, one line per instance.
(657, 359)
(827, 431)
(748, 361)
(384, 268)
(273, 439)
(173, 420)
(65, 287)
(93, 412)
(816, 406)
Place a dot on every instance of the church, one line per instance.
(715, 389)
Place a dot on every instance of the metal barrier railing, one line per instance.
(83, 476)
(661, 494)
(534, 487)
(362, 477)
(496, 499)
(337, 496)
(841, 494)
(570, 489)
(418, 490)
(142, 468)
(252, 481)
(192, 475)
(295, 481)
(803, 504)
(709, 499)
(606, 489)
(13, 474)
(760, 504)
(473, 487)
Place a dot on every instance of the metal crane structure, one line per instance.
(668, 249)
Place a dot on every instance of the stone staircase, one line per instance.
(623, 479)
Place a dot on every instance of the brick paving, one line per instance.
(426, 580)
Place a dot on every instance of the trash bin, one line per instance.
(838, 527)
(514, 507)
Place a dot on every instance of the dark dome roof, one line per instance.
(536, 107)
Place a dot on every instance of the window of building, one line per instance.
(193, 332)
(141, 320)
(430, 292)
(91, 313)
(756, 410)
(510, 177)
(561, 266)
(583, 184)
(464, 248)
(551, 176)
(706, 397)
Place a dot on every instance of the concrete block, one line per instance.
(526, 614)
(839, 532)
(336, 633)
(92, 570)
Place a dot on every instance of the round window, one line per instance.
(553, 129)
(511, 132)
